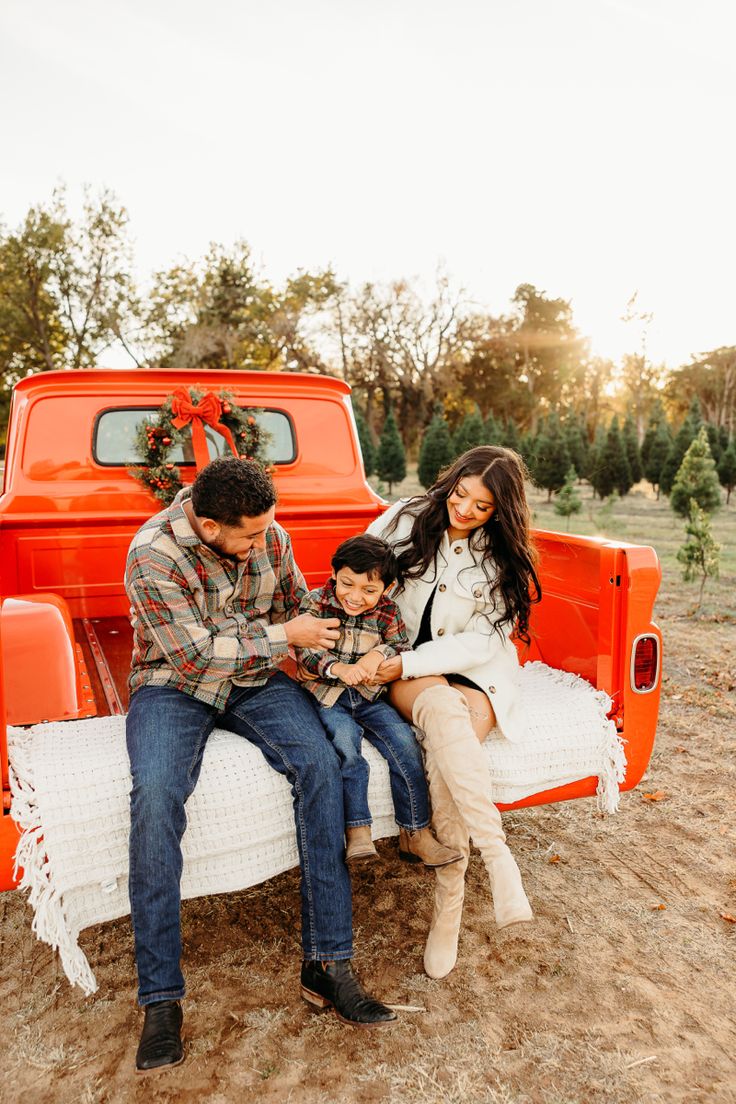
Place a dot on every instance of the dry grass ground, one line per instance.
(621, 991)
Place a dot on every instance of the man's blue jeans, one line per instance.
(353, 716)
(166, 732)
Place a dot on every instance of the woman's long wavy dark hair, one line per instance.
(508, 547)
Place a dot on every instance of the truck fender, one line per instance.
(45, 677)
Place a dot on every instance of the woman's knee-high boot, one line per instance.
(440, 953)
(449, 739)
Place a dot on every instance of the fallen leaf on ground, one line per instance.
(553, 859)
(727, 916)
(658, 908)
(681, 750)
(658, 795)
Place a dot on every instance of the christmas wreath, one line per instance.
(156, 438)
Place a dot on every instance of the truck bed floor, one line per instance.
(107, 643)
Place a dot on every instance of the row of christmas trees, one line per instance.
(613, 462)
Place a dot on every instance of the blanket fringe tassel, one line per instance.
(49, 922)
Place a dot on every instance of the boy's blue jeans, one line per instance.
(353, 716)
(166, 733)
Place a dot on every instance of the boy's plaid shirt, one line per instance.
(202, 623)
(380, 629)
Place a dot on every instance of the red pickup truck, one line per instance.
(70, 507)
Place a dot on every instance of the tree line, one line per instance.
(68, 293)
(560, 452)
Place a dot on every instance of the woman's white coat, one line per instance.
(464, 640)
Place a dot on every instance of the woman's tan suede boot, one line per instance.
(440, 953)
(452, 746)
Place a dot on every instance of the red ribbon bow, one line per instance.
(208, 409)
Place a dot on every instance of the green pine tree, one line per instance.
(511, 437)
(631, 445)
(494, 431)
(696, 479)
(577, 444)
(367, 448)
(551, 458)
(700, 555)
(615, 463)
(470, 433)
(677, 451)
(568, 501)
(714, 442)
(695, 414)
(727, 468)
(527, 449)
(723, 439)
(599, 481)
(436, 450)
(658, 443)
(656, 419)
(391, 457)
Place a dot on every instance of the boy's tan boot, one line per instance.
(440, 953)
(451, 745)
(359, 845)
(421, 846)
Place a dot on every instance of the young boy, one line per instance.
(371, 630)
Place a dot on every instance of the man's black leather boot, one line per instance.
(334, 985)
(160, 1044)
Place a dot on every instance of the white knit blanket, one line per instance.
(71, 782)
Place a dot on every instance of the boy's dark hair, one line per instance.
(367, 555)
(229, 489)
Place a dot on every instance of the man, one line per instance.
(214, 593)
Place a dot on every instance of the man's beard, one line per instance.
(229, 556)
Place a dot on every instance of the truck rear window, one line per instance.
(114, 437)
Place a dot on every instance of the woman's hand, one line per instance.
(390, 670)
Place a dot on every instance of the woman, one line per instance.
(468, 562)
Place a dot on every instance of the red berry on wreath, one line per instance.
(226, 408)
(251, 420)
(167, 440)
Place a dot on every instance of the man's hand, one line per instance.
(306, 631)
(388, 671)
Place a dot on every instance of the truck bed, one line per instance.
(107, 645)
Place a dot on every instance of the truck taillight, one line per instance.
(644, 663)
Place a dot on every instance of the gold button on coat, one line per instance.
(442, 586)
(440, 632)
(491, 689)
(458, 549)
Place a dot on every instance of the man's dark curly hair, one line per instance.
(230, 489)
(367, 555)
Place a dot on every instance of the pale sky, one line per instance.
(584, 146)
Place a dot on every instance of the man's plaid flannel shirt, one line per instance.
(380, 629)
(203, 623)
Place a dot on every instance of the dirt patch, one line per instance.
(621, 991)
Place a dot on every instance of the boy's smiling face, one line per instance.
(357, 592)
